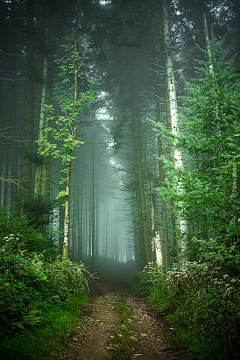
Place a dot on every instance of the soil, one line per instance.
(152, 335)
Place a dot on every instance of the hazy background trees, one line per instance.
(115, 208)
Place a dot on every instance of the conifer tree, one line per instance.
(211, 143)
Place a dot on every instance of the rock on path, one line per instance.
(152, 335)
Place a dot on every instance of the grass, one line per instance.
(122, 344)
(44, 340)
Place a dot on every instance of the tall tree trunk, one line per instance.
(90, 229)
(26, 169)
(162, 184)
(6, 176)
(152, 218)
(80, 214)
(139, 214)
(208, 44)
(138, 173)
(41, 168)
(180, 224)
(106, 209)
(93, 207)
(61, 222)
(74, 136)
(14, 187)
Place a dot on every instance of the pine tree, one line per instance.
(211, 130)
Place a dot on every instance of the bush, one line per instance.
(17, 230)
(29, 283)
(202, 303)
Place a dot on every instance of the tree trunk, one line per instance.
(180, 224)
(6, 175)
(141, 189)
(14, 187)
(152, 218)
(138, 173)
(208, 44)
(41, 168)
(74, 136)
(158, 249)
(139, 214)
(61, 222)
(80, 214)
(162, 184)
(93, 208)
(26, 169)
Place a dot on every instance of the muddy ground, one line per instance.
(152, 335)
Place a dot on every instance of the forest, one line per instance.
(119, 143)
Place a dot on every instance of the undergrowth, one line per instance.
(201, 302)
(40, 297)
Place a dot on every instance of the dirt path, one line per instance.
(152, 337)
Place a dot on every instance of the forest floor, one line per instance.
(149, 334)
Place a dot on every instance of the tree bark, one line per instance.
(74, 136)
(152, 218)
(180, 224)
(26, 169)
(138, 173)
(93, 207)
(158, 249)
(162, 184)
(14, 187)
(41, 168)
(208, 44)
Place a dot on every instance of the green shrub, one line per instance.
(28, 283)
(44, 340)
(16, 230)
(41, 295)
(202, 303)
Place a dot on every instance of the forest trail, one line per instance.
(150, 334)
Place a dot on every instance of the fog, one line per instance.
(115, 208)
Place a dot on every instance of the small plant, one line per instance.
(122, 342)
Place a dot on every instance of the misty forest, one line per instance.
(119, 178)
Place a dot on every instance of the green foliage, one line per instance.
(28, 282)
(22, 231)
(122, 344)
(201, 301)
(151, 283)
(23, 288)
(32, 155)
(39, 299)
(62, 139)
(38, 210)
(66, 277)
(42, 341)
(210, 126)
(237, 71)
(124, 310)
